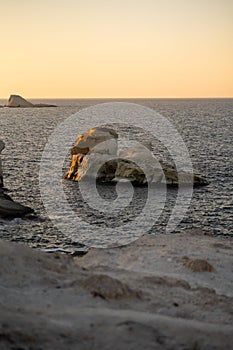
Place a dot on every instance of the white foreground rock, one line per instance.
(140, 296)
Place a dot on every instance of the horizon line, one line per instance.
(116, 98)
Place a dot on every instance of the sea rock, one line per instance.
(96, 140)
(135, 163)
(95, 146)
(95, 155)
(19, 101)
(90, 168)
(9, 208)
(171, 177)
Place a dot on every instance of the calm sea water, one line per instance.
(206, 126)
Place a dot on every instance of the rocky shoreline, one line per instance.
(156, 293)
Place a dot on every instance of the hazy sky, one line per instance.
(120, 48)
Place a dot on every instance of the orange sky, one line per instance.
(120, 48)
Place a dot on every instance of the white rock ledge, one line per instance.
(139, 296)
(16, 101)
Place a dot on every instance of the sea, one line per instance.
(206, 127)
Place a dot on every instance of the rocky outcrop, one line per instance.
(132, 165)
(134, 297)
(18, 101)
(171, 177)
(95, 155)
(9, 208)
(95, 146)
(15, 101)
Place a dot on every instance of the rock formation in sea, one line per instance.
(99, 146)
(9, 208)
(15, 101)
(95, 146)
(18, 101)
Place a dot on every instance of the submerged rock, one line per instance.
(18, 101)
(95, 155)
(9, 208)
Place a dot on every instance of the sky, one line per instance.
(120, 48)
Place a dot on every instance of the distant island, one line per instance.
(17, 101)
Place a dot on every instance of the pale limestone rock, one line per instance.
(96, 144)
(95, 156)
(185, 178)
(96, 140)
(128, 297)
(91, 167)
(18, 101)
(134, 164)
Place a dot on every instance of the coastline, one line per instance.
(137, 296)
